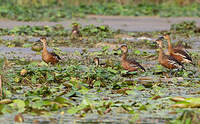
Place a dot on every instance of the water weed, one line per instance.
(32, 10)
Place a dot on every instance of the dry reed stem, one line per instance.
(1, 87)
(89, 2)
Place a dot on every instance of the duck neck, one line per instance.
(44, 47)
(75, 29)
(124, 56)
(169, 44)
(97, 63)
(160, 53)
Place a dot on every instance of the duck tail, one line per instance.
(142, 68)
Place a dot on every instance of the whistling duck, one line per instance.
(178, 52)
(75, 31)
(166, 60)
(129, 64)
(48, 57)
(97, 63)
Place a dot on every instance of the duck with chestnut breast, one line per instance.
(166, 60)
(178, 53)
(48, 57)
(129, 64)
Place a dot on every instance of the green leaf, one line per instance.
(60, 100)
(40, 104)
(137, 52)
(124, 71)
(112, 70)
(34, 79)
(140, 87)
(73, 110)
(102, 27)
(50, 77)
(97, 83)
(5, 109)
(132, 92)
(84, 90)
(18, 104)
(143, 107)
(26, 45)
(17, 79)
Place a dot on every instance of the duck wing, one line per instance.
(182, 53)
(55, 55)
(135, 63)
(175, 62)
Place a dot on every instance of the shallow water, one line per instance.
(117, 115)
(125, 23)
(21, 52)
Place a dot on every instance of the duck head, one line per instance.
(124, 48)
(96, 60)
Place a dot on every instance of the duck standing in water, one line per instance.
(178, 53)
(129, 64)
(96, 61)
(48, 57)
(75, 31)
(166, 60)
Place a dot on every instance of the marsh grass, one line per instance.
(89, 2)
(35, 10)
(79, 88)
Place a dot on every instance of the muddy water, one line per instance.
(125, 23)
(116, 116)
(27, 53)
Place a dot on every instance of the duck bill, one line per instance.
(160, 38)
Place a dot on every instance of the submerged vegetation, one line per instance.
(185, 27)
(102, 31)
(33, 10)
(76, 87)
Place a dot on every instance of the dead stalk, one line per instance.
(0, 86)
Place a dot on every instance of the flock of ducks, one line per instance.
(175, 60)
(167, 61)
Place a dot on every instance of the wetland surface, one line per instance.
(76, 91)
